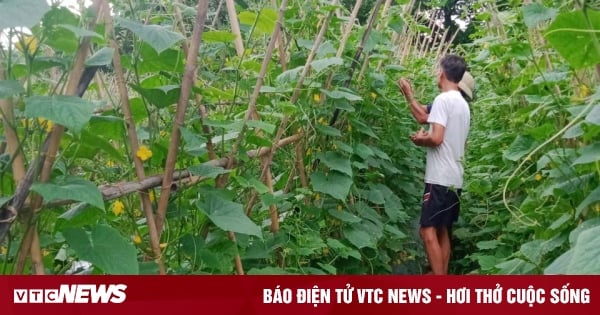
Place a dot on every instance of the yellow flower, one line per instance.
(30, 43)
(373, 95)
(3, 250)
(584, 91)
(317, 97)
(136, 239)
(143, 153)
(152, 196)
(45, 252)
(118, 208)
(322, 121)
(137, 213)
(47, 123)
(110, 163)
(163, 245)
(538, 177)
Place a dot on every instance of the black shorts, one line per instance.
(441, 206)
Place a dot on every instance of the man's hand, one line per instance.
(419, 137)
(405, 88)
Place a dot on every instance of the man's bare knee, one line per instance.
(428, 234)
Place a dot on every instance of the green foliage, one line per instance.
(104, 247)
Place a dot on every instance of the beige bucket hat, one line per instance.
(467, 84)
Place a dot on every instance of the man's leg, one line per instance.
(433, 249)
(444, 240)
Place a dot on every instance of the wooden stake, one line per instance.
(134, 143)
(235, 27)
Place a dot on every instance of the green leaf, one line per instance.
(269, 128)
(594, 115)
(535, 13)
(574, 235)
(110, 127)
(27, 13)
(328, 130)
(161, 96)
(586, 252)
(206, 170)
(195, 144)
(9, 88)
(343, 104)
(70, 188)
(337, 94)
(80, 32)
(69, 111)
(336, 161)
(592, 198)
(515, 266)
(289, 76)
(363, 151)
(344, 216)
(396, 23)
(344, 146)
(560, 265)
(328, 268)
(519, 148)
(359, 238)
(322, 64)
(532, 251)
(551, 77)
(159, 37)
(363, 128)
(589, 154)
(560, 221)
(218, 37)
(102, 57)
(91, 144)
(105, 248)
(334, 184)
(228, 215)
(488, 244)
(265, 23)
(4, 199)
(571, 36)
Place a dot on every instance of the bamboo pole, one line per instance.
(281, 49)
(356, 59)
(217, 13)
(186, 87)
(134, 143)
(53, 141)
(201, 107)
(251, 111)
(235, 27)
(118, 190)
(345, 36)
(266, 167)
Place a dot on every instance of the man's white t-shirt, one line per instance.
(445, 162)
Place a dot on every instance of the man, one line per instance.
(449, 122)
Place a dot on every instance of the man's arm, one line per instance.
(426, 139)
(419, 111)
